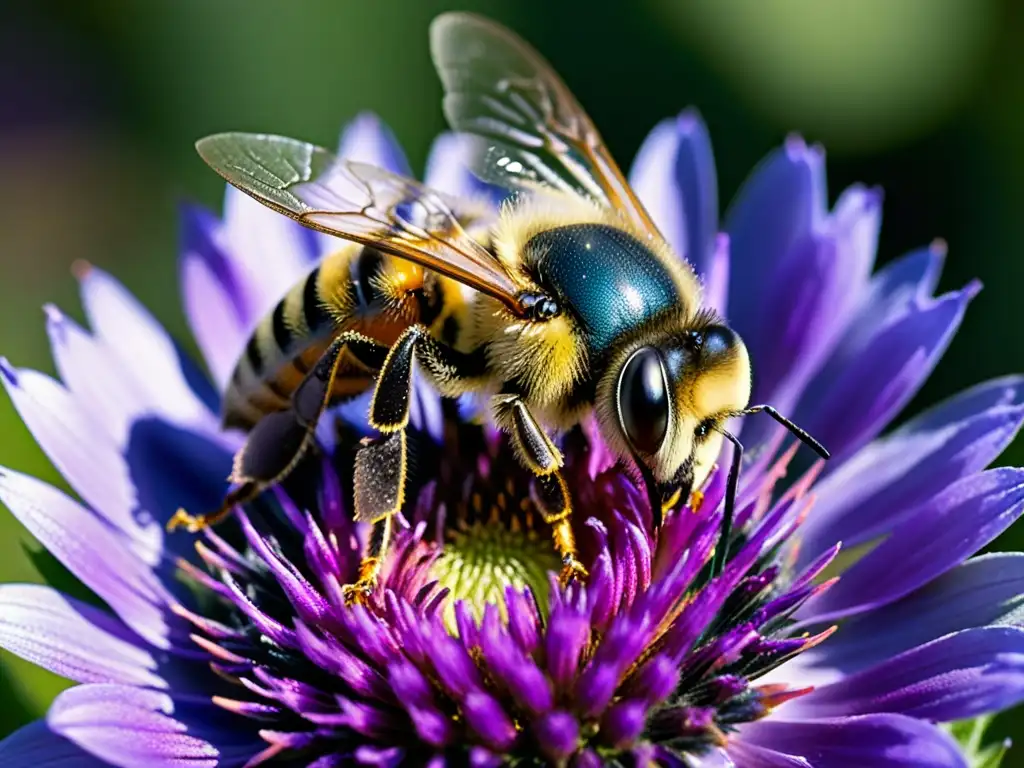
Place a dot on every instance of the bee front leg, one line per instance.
(278, 442)
(381, 464)
(538, 454)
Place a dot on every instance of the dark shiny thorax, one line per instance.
(606, 278)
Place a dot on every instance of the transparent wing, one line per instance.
(358, 202)
(530, 129)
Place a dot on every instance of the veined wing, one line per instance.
(530, 128)
(358, 202)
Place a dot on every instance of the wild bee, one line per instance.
(566, 302)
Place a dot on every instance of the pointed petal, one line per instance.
(72, 639)
(128, 727)
(269, 251)
(753, 756)
(940, 534)
(368, 140)
(810, 296)
(868, 493)
(781, 203)
(716, 279)
(985, 591)
(215, 295)
(448, 170)
(869, 380)
(956, 677)
(75, 443)
(96, 555)
(135, 337)
(879, 741)
(103, 386)
(674, 177)
(36, 745)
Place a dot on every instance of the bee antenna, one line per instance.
(722, 550)
(801, 434)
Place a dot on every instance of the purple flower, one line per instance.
(235, 648)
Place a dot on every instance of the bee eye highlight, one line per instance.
(643, 401)
(703, 429)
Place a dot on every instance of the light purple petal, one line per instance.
(37, 746)
(781, 203)
(865, 384)
(72, 639)
(879, 741)
(716, 279)
(104, 387)
(368, 140)
(145, 350)
(752, 756)
(958, 676)
(129, 727)
(940, 534)
(269, 251)
(868, 494)
(87, 458)
(674, 177)
(215, 295)
(448, 170)
(92, 551)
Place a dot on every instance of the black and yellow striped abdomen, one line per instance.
(356, 288)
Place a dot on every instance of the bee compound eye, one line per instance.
(643, 400)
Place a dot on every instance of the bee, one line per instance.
(566, 302)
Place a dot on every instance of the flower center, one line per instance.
(481, 558)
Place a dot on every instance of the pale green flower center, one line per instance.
(482, 558)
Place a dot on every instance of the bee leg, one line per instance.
(278, 442)
(369, 568)
(381, 463)
(539, 455)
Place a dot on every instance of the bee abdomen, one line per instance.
(357, 288)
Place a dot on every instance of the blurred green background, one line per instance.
(101, 101)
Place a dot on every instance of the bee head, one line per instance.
(669, 395)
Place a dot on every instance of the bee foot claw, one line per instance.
(696, 500)
(357, 594)
(191, 523)
(572, 570)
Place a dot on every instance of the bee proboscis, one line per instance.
(565, 303)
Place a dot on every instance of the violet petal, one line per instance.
(867, 494)
(881, 741)
(781, 202)
(956, 677)
(942, 533)
(674, 176)
(36, 745)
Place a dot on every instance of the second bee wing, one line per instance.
(358, 202)
(532, 130)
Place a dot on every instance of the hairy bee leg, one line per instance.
(380, 467)
(539, 455)
(369, 568)
(278, 442)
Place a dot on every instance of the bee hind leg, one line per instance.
(278, 442)
(538, 454)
